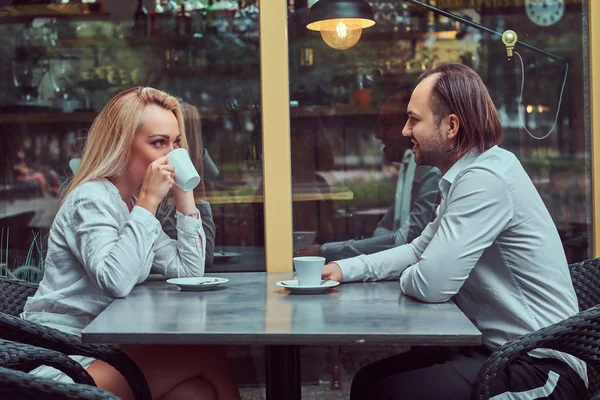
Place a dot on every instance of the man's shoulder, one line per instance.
(496, 157)
(492, 163)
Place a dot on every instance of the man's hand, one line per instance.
(332, 272)
(314, 250)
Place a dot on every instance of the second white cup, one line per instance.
(309, 270)
(186, 176)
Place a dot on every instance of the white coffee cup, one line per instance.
(309, 270)
(186, 176)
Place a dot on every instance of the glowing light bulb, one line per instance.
(341, 30)
(341, 34)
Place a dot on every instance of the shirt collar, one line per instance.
(462, 163)
(115, 191)
(110, 186)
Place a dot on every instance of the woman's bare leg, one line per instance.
(108, 378)
(192, 389)
(166, 367)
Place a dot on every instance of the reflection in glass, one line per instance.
(341, 92)
(27, 75)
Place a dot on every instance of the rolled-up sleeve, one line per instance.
(477, 211)
(351, 248)
(387, 264)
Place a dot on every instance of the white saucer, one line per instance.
(292, 285)
(197, 284)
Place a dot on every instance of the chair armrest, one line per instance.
(578, 335)
(18, 385)
(24, 357)
(20, 330)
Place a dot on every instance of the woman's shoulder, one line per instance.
(97, 190)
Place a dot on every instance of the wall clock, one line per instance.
(545, 12)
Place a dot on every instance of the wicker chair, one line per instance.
(16, 384)
(578, 335)
(13, 295)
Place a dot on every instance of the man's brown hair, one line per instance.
(459, 90)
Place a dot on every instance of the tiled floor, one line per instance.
(316, 369)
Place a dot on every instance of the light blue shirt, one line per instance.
(493, 248)
(98, 251)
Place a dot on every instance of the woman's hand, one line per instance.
(157, 183)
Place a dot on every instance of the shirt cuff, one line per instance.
(187, 224)
(352, 269)
(146, 219)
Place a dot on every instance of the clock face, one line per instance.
(545, 12)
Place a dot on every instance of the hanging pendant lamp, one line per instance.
(340, 21)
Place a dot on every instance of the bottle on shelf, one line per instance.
(291, 20)
(197, 11)
(156, 19)
(183, 22)
(211, 18)
(140, 20)
(169, 17)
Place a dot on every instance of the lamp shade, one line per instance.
(340, 21)
(359, 11)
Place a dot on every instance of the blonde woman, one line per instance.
(105, 238)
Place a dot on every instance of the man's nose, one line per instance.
(406, 131)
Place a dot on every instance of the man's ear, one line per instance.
(453, 124)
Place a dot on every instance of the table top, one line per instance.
(251, 309)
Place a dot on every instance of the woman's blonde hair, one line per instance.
(108, 145)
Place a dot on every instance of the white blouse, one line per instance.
(98, 251)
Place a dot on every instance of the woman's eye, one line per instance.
(177, 143)
(158, 143)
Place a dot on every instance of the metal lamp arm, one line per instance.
(485, 29)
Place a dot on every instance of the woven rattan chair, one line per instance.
(17, 385)
(13, 295)
(578, 335)
(16, 359)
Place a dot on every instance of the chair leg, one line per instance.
(335, 352)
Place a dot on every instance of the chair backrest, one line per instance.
(586, 276)
(14, 294)
(18, 385)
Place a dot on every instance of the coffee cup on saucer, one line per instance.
(309, 270)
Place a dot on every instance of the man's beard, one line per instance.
(434, 153)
